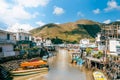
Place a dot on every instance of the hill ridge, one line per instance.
(71, 31)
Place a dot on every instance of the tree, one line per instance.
(88, 51)
(57, 40)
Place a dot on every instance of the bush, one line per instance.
(98, 55)
(17, 49)
(88, 51)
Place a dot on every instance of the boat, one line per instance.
(31, 67)
(29, 72)
(33, 63)
(99, 75)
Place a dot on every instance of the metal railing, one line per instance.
(7, 41)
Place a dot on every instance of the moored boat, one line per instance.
(29, 72)
(33, 64)
(99, 75)
(31, 67)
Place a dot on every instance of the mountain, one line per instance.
(70, 32)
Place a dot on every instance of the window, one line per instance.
(8, 36)
(0, 49)
(20, 37)
(26, 38)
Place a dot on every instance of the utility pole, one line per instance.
(106, 44)
(117, 31)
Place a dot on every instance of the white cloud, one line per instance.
(58, 10)
(57, 23)
(40, 23)
(96, 11)
(18, 12)
(112, 5)
(32, 3)
(107, 21)
(3, 4)
(80, 14)
(118, 20)
(17, 26)
(14, 13)
(35, 14)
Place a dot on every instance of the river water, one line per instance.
(61, 69)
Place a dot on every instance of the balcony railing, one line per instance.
(7, 41)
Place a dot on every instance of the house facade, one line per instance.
(114, 46)
(7, 43)
(23, 39)
(38, 41)
(22, 35)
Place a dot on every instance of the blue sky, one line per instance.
(29, 14)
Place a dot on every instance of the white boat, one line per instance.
(99, 75)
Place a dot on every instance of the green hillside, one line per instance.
(70, 32)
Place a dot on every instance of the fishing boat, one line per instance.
(31, 67)
(99, 75)
(29, 72)
(33, 63)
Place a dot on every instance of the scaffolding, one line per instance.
(111, 31)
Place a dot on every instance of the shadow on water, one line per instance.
(61, 69)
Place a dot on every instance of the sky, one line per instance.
(29, 14)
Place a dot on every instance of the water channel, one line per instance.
(61, 69)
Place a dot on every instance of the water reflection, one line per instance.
(61, 69)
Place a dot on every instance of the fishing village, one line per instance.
(60, 40)
(94, 57)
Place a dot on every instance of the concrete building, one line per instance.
(114, 46)
(38, 41)
(111, 31)
(7, 42)
(100, 42)
(23, 39)
(22, 35)
(84, 41)
(48, 42)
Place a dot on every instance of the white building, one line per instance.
(7, 42)
(99, 42)
(24, 39)
(22, 35)
(98, 37)
(41, 41)
(48, 42)
(38, 41)
(84, 41)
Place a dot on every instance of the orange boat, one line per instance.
(36, 63)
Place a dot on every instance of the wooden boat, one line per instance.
(34, 63)
(99, 75)
(29, 72)
(30, 67)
